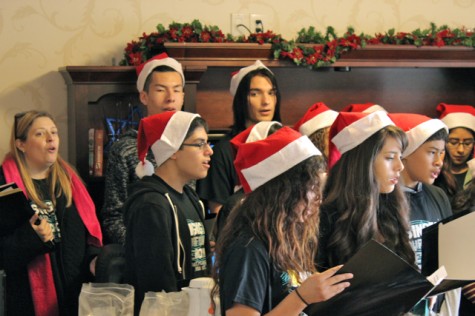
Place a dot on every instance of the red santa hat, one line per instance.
(164, 133)
(457, 115)
(254, 133)
(237, 77)
(143, 70)
(418, 129)
(262, 160)
(350, 129)
(363, 107)
(318, 116)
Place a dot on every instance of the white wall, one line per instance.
(39, 36)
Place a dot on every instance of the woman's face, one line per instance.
(460, 146)
(41, 145)
(388, 165)
(262, 100)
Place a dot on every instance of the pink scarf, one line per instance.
(40, 275)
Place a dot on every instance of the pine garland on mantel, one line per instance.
(310, 48)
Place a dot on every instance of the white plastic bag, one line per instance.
(199, 292)
(98, 299)
(165, 304)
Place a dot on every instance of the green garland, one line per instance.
(326, 48)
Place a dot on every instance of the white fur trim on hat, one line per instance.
(280, 162)
(324, 119)
(236, 79)
(261, 130)
(173, 136)
(374, 108)
(360, 130)
(152, 64)
(459, 119)
(419, 134)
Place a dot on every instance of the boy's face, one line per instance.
(424, 164)
(193, 162)
(165, 93)
(262, 100)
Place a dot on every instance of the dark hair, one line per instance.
(241, 99)
(441, 134)
(162, 68)
(464, 200)
(197, 122)
(446, 179)
(363, 212)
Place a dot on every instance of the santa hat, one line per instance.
(260, 161)
(318, 116)
(254, 133)
(363, 107)
(418, 129)
(164, 133)
(146, 68)
(237, 77)
(350, 129)
(457, 115)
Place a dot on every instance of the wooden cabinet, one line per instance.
(400, 78)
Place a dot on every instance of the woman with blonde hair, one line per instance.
(48, 256)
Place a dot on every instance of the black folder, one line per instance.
(14, 208)
(383, 284)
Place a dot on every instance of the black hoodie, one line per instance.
(156, 228)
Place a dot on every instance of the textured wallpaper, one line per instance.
(37, 37)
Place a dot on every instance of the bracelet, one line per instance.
(300, 296)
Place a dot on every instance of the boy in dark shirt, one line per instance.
(166, 243)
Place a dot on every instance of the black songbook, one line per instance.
(14, 208)
(383, 284)
(450, 243)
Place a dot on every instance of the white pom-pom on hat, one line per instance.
(144, 168)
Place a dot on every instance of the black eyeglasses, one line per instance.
(457, 142)
(18, 116)
(201, 145)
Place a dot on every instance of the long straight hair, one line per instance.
(362, 212)
(60, 182)
(241, 99)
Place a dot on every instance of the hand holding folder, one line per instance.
(383, 284)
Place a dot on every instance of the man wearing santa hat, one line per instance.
(160, 84)
(423, 160)
(256, 98)
(166, 243)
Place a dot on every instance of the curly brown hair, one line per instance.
(274, 215)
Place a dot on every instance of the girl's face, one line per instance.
(388, 165)
(460, 146)
(41, 146)
(262, 100)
